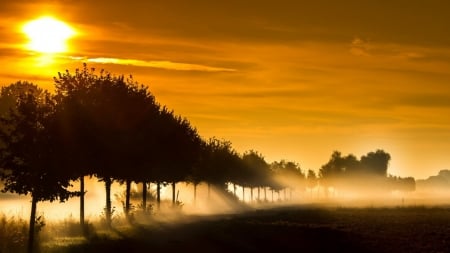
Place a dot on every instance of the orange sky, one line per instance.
(292, 79)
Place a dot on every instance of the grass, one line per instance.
(288, 229)
(13, 233)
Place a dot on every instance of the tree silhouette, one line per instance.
(406, 184)
(256, 171)
(311, 180)
(341, 171)
(289, 173)
(376, 163)
(76, 132)
(220, 163)
(117, 115)
(128, 136)
(338, 165)
(28, 151)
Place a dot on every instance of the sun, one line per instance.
(48, 35)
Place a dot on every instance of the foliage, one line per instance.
(256, 171)
(219, 163)
(311, 179)
(406, 184)
(28, 149)
(369, 173)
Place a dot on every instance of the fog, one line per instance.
(356, 193)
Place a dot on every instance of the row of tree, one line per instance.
(367, 173)
(107, 126)
(112, 128)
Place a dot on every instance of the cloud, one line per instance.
(359, 47)
(169, 65)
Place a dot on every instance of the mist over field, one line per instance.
(102, 159)
(224, 126)
(291, 219)
(430, 192)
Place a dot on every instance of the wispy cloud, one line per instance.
(359, 47)
(160, 64)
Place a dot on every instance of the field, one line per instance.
(286, 229)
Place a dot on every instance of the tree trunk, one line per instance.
(82, 202)
(31, 233)
(265, 194)
(243, 194)
(108, 211)
(173, 193)
(209, 190)
(195, 193)
(144, 196)
(127, 198)
(158, 195)
(234, 189)
(272, 195)
(285, 198)
(258, 194)
(251, 194)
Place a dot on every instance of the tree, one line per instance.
(179, 147)
(220, 163)
(406, 184)
(347, 172)
(127, 135)
(339, 166)
(338, 171)
(376, 163)
(256, 171)
(311, 180)
(28, 151)
(11, 93)
(289, 174)
(114, 116)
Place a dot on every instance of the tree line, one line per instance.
(111, 127)
(368, 173)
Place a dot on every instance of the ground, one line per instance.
(285, 229)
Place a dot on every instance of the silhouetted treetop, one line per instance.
(29, 148)
(376, 162)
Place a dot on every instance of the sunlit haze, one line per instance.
(294, 80)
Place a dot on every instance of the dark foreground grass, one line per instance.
(289, 229)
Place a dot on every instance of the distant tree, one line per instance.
(333, 171)
(219, 163)
(406, 184)
(312, 180)
(28, 151)
(289, 174)
(198, 173)
(347, 172)
(439, 182)
(334, 167)
(256, 171)
(376, 163)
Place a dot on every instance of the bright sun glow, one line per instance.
(48, 35)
